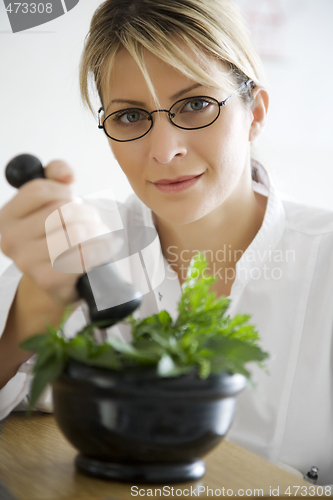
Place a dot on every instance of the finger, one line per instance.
(33, 196)
(17, 231)
(35, 253)
(98, 247)
(101, 250)
(61, 286)
(44, 275)
(93, 252)
(51, 218)
(60, 171)
(73, 213)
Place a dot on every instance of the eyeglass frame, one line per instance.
(150, 117)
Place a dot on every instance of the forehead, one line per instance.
(127, 81)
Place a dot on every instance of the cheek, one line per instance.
(228, 150)
(231, 143)
(130, 163)
(123, 156)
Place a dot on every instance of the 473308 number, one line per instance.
(29, 8)
(311, 491)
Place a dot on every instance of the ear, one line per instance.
(259, 112)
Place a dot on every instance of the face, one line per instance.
(217, 158)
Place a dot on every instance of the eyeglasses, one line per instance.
(191, 113)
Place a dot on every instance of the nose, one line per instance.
(166, 140)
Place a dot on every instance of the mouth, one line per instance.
(182, 178)
(177, 184)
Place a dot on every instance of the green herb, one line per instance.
(203, 337)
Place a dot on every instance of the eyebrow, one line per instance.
(141, 104)
(184, 91)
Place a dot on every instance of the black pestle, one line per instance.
(26, 167)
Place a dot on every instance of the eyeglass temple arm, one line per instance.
(99, 117)
(245, 84)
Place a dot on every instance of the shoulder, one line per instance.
(307, 219)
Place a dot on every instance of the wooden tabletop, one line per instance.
(37, 463)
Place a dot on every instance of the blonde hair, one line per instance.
(213, 28)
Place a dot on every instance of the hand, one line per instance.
(23, 237)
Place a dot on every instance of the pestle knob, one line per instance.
(24, 168)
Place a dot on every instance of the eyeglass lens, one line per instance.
(190, 113)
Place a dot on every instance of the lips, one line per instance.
(178, 184)
(182, 178)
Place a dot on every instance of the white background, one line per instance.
(41, 112)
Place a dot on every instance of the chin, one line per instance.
(181, 216)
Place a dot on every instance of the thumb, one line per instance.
(60, 171)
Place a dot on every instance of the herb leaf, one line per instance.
(203, 338)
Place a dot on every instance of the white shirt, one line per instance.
(285, 281)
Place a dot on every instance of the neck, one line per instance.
(224, 233)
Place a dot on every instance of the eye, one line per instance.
(129, 116)
(196, 104)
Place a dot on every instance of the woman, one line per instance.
(182, 98)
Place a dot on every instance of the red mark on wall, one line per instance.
(267, 22)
